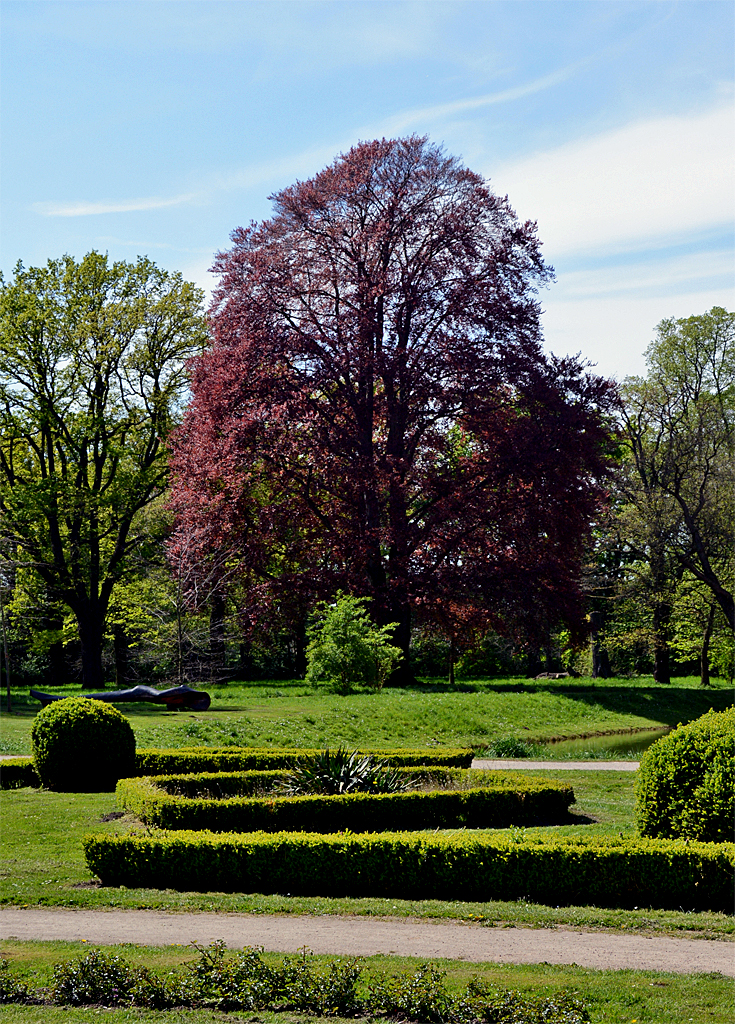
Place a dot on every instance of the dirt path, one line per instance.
(352, 936)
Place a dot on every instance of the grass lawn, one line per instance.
(474, 713)
(42, 864)
(612, 997)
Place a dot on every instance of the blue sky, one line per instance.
(158, 127)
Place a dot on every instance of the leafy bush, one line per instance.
(602, 871)
(491, 800)
(511, 746)
(17, 773)
(686, 781)
(11, 989)
(340, 771)
(108, 980)
(82, 745)
(244, 981)
(346, 648)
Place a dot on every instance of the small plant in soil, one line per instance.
(332, 772)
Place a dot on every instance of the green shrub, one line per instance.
(346, 647)
(17, 773)
(600, 871)
(12, 990)
(686, 781)
(212, 759)
(244, 981)
(493, 801)
(104, 979)
(511, 746)
(82, 745)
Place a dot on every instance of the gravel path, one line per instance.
(358, 936)
(567, 766)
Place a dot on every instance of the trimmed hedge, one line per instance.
(597, 870)
(686, 781)
(18, 772)
(216, 785)
(188, 760)
(494, 801)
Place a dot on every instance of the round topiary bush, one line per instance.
(82, 745)
(686, 781)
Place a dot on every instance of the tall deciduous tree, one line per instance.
(92, 368)
(679, 427)
(376, 412)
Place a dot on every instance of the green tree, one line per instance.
(92, 372)
(346, 648)
(677, 483)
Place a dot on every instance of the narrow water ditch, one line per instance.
(614, 746)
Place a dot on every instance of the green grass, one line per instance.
(613, 997)
(42, 864)
(288, 713)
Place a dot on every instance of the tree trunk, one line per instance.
(300, 649)
(122, 657)
(217, 637)
(402, 674)
(6, 659)
(534, 664)
(58, 669)
(704, 654)
(600, 658)
(451, 660)
(245, 665)
(661, 655)
(91, 636)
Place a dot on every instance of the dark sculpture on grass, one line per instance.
(177, 698)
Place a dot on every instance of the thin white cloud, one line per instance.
(424, 115)
(660, 178)
(86, 209)
(660, 276)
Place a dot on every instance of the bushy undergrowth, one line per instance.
(686, 781)
(511, 746)
(244, 981)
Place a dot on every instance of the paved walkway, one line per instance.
(363, 936)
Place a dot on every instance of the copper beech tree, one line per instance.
(375, 411)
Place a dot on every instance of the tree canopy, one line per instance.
(92, 373)
(376, 412)
(680, 433)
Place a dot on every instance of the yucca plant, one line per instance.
(338, 771)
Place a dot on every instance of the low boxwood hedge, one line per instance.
(203, 759)
(217, 785)
(187, 760)
(596, 870)
(18, 772)
(494, 800)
